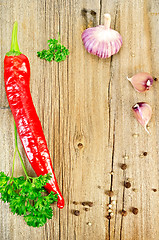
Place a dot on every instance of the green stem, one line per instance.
(13, 163)
(14, 51)
(16, 149)
(24, 169)
(15, 136)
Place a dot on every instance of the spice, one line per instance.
(102, 40)
(127, 184)
(109, 210)
(110, 193)
(123, 213)
(135, 135)
(89, 224)
(135, 190)
(110, 205)
(80, 145)
(90, 204)
(86, 209)
(75, 203)
(84, 11)
(113, 202)
(126, 157)
(93, 13)
(142, 112)
(154, 189)
(130, 179)
(145, 154)
(16, 78)
(76, 212)
(123, 166)
(135, 211)
(141, 81)
(108, 217)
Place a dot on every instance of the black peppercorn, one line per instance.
(76, 212)
(135, 211)
(123, 213)
(127, 184)
(145, 154)
(108, 217)
(123, 166)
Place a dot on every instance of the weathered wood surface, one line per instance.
(87, 100)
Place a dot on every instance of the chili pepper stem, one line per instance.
(17, 150)
(14, 51)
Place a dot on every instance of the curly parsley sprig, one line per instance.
(27, 197)
(56, 51)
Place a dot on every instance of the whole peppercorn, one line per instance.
(75, 203)
(86, 209)
(145, 154)
(123, 166)
(123, 213)
(76, 212)
(154, 189)
(89, 224)
(90, 204)
(93, 13)
(110, 193)
(84, 203)
(135, 211)
(127, 184)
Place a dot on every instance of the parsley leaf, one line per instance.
(56, 51)
(26, 198)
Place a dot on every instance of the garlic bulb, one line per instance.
(141, 81)
(102, 40)
(142, 112)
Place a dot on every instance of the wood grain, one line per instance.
(84, 105)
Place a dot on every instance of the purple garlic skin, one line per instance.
(102, 40)
(142, 112)
(141, 81)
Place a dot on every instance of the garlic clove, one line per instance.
(102, 40)
(142, 112)
(141, 81)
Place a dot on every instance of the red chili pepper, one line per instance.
(16, 77)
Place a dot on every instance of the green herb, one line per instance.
(56, 51)
(27, 197)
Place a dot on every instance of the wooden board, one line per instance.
(84, 105)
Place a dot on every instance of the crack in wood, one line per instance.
(123, 204)
(59, 130)
(59, 227)
(46, 232)
(112, 167)
(100, 12)
(109, 85)
(116, 211)
(113, 147)
(109, 102)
